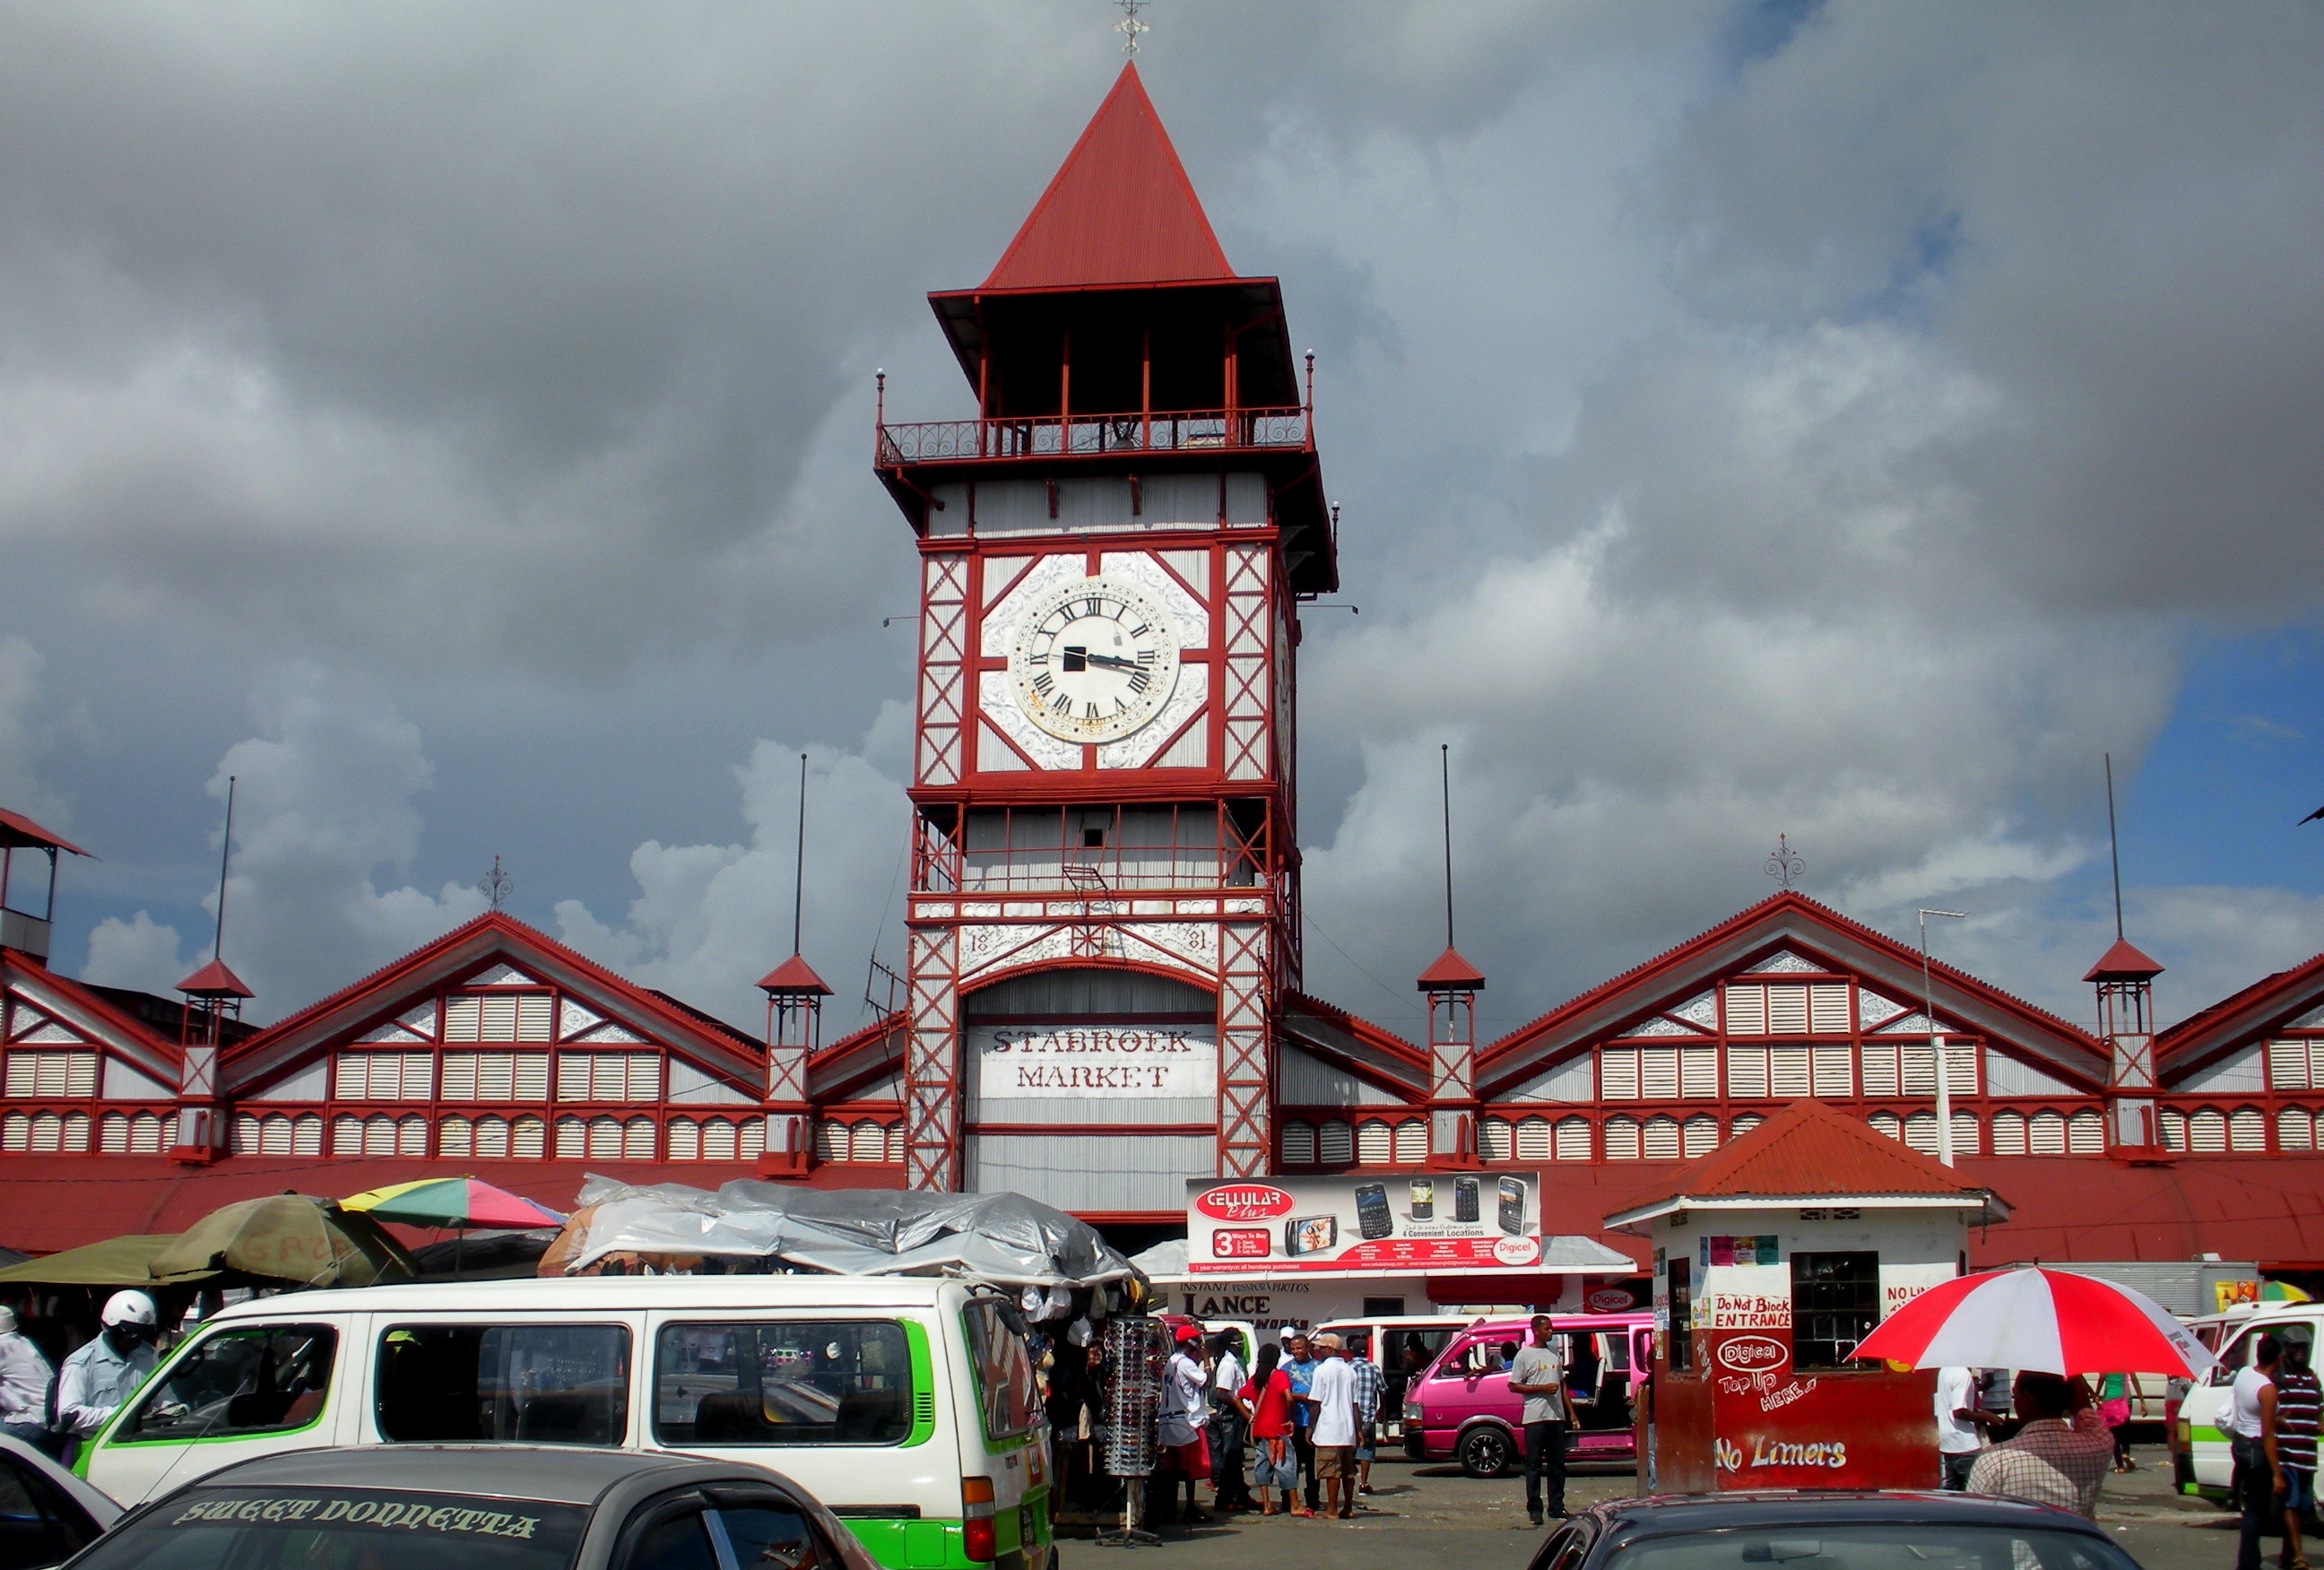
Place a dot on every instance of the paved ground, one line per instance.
(1432, 1515)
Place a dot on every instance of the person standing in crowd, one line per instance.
(1371, 1386)
(2114, 1410)
(1267, 1398)
(24, 1380)
(1538, 1374)
(2059, 1457)
(1230, 1421)
(2298, 1405)
(1185, 1406)
(2250, 1424)
(1300, 1364)
(1961, 1425)
(96, 1379)
(1332, 1426)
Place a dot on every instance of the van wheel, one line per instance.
(1485, 1452)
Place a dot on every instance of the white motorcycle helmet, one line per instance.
(132, 1309)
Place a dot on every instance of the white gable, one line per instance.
(122, 1083)
(421, 1019)
(1784, 960)
(611, 1035)
(48, 1032)
(1656, 1025)
(2237, 1071)
(1872, 1010)
(1570, 1081)
(392, 1033)
(2312, 1019)
(1303, 1079)
(501, 976)
(2008, 1075)
(1703, 1008)
(573, 1019)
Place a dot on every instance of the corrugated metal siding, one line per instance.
(1091, 1171)
(1303, 1080)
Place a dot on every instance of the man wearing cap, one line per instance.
(100, 1376)
(24, 1378)
(1185, 1406)
(1331, 1398)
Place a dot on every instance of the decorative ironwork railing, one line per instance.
(1089, 435)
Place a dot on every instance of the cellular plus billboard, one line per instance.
(1431, 1221)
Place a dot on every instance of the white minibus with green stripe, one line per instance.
(907, 1405)
(2205, 1465)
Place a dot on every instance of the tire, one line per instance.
(1485, 1451)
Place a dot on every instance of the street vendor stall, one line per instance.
(1774, 1257)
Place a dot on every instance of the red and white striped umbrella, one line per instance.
(2047, 1320)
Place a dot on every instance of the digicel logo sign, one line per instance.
(1750, 1354)
(1243, 1202)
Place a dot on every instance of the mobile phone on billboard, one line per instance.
(1513, 1192)
(1464, 1199)
(1310, 1234)
(1424, 1199)
(1373, 1218)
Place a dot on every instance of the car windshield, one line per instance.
(1873, 1545)
(350, 1528)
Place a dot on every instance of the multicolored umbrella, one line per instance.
(455, 1203)
(2049, 1320)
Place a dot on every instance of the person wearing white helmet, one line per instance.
(100, 1376)
(24, 1376)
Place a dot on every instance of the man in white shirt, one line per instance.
(1186, 1407)
(1538, 1374)
(1961, 1425)
(2249, 1420)
(1332, 1396)
(24, 1377)
(96, 1379)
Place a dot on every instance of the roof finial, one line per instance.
(1130, 27)
(1784, 863)
(497, 885)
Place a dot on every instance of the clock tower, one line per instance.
(1104, 903)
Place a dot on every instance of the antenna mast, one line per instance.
(2114, 847)
(1444, 770)
(225, 859)
(799, 859)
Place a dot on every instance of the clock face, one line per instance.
(1093, 659)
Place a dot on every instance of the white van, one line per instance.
(2207, 1467)
(1401, 1345)
(907, 1406)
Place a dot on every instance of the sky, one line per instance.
(1850, 421)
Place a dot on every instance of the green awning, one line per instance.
(117, 1262)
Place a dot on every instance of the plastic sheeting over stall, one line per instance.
(1005, 1239)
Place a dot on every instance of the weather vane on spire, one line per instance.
(1130, 27)
(1784, 863)
(497, 885)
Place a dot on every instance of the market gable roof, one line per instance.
(1790, 921)
(465, 951)
(2267, 1005)
(1352, 1042)
(1119, 210)
(99, 1023)
(1810, 1153)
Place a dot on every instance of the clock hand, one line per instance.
(1112, 662)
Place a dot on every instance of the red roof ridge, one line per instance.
(1808, 1150)
(1118, 210)
(2123, 961)
(793, 975)
(1371, 1033)
(1450, 973)
(82, 994)
(2171, 1038)
(215, 980)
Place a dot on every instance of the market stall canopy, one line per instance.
(287, 1237)
(117, 1262)
(452, 1202)
(1005, 1239)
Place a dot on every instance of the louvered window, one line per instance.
(1828, 1008)
(2316, 1060)
(2207, 1131)
(1374, 1144)
(1879, 1058)
(1964, 1134)
(1743, 1125)
(1661, 1141)
(605, 1139)
(1335, 1143)
(1533, 1139)
(870, 1141)
(685, 1140)
(753, 1136)
(2046, 1134)
(1702, 1136)
(17, 1131)
(493, 1139)
(718, 1141)
(1698, 1073)
(2247, 1130)
(1921, 1133)
(1834, 1071)
(528, 1138)
(572, 1140)
(1411, 1143)
(2287, 1065)
(1621, 1138)
(51, 1075)
(496, 1076)
(1617, 1074)
(2294, 1131)
(608, 1076)
(2008, 1133)
(1574, 1139)
(639, 1139)
(1787, 1010)
(1298, 1144)
(1747, 1011)
(455, 1137)
(2086, 1133)
(1493, 1141)
(1788, 1077)
(1886, 1123)
(384, 1075)
(1747, 1072)
(1658, 1074)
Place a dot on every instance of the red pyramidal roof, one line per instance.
(214, 980)
(1807, 1151)
(1120, 209)
(2123, 963)
(1450, 973)
(793, 975)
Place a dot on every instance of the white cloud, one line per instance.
(138, 954)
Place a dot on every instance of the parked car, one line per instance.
(47, 1514)
(1461, 1407)
(1820, 1530)
(410, 1507)
(907, 1405)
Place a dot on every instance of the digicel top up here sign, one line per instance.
(1364, 1225)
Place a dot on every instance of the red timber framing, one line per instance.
(88, 1070)
(2245, 1076)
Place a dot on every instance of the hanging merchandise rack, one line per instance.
(1131, 1354)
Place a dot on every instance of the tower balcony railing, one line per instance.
(1094, 435)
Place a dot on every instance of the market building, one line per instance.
(1104, 997)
